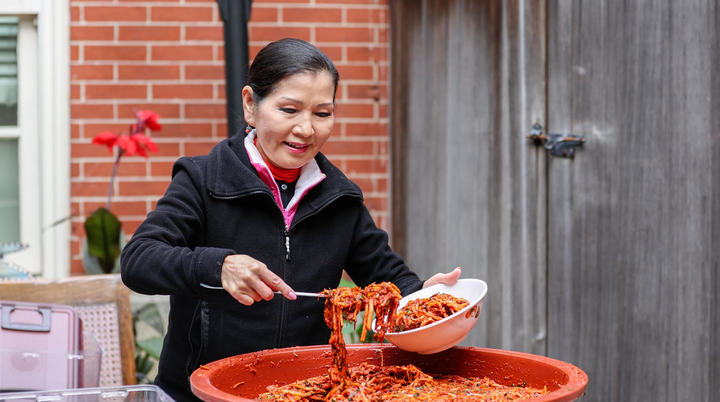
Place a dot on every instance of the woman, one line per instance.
(263, 212)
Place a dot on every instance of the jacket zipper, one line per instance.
(286, 232)
(287, 244)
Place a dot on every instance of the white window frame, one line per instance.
(43, 134)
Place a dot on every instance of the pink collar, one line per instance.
(310, 176)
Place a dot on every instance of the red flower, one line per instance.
(106, 138)
(136, 141)
(146, 118)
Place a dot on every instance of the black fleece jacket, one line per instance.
(216, 205)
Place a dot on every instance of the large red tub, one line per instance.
(243, 377)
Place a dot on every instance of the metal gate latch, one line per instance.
(562, 145)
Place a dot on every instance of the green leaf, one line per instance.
(103, 238)
(150, 315)
(346, 283)
(151, 346)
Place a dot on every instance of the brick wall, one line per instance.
(167, 55)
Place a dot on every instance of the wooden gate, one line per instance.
(605, 260)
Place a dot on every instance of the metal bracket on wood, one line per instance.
(562, 145)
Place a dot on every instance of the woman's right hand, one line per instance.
(249, 280)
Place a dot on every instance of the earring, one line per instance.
(248, 128)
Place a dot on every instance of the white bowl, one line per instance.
(449, 331)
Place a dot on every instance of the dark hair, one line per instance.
(283, 58)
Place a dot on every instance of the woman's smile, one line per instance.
(293, 122)
(296, 147)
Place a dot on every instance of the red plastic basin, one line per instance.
(244, 377)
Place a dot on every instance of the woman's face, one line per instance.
(293, 121)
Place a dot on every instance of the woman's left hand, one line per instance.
(448, 279)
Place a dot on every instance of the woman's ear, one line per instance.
(248, 105)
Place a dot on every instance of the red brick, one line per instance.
(204, 33)
(75, 91)
(373, 2)
(121, 208)
(383, 35)
(264, 14)
(184, 130)
(366, 91)
(366, 184)
(76, 266)
(383, 71)
(361, 72)
(269, 34)
(89, 189)
(91, 72)
(182, 52)
(91, 111)
(340, 147)
(161, 169)
(381, 185)
(104, 169)
(148, 72)
(382, 111)
(89, 150)
(343, 34)
(75, 131)
(76, 227)
(360, 15)
(74, 52)
(354, 166)
(164, 110)
(339, 93)
(354, 110)
(253, 51)
(190, 14)
(93, 129)
(74, 169)
(166, 148)
(204, 72)
(333, 52)
(74, 13)
(219, 52)
(114, 52)
(90, 33)
(111, 91)
(130, 225)
(149, 187)
(367, 53)
(149, 33)
(114, 14)
(205, 110)
(376, 203)
(369, 129)
(311, 14)
(380, 221)
(198, 148)
(282, 1)
(184, 91)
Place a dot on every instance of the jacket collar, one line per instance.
(231, 174)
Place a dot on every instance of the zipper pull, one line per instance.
(287, 245)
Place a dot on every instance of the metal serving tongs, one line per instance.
(277, 292)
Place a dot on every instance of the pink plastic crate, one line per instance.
(40, 346)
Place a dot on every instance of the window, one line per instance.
(34, 133)
(9, 183)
